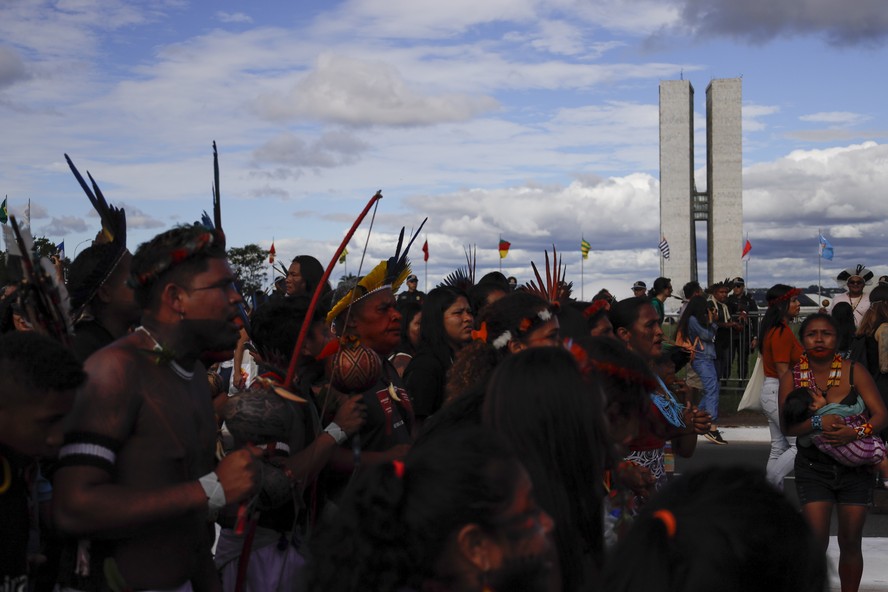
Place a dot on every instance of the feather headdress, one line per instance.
(84, 288)
(463, 278)
(859, 271)
(390, 273)
(215, 225)
(42, 295)
(554, 289)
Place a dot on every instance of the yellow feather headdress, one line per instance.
(387, 274)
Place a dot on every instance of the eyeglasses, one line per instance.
(856, 282)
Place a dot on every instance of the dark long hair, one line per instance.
(625, 312)
(312, 271)
(660, 285)
(843, 315)
(720, 524)
(408, 310)
(697, 308)
(775, 316)
(432, 336)
(624, 376)
(552, 416)
(391, 532)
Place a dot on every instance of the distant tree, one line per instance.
(349, 280)
(43, 247)
(248, 264)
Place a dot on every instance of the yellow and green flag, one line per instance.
(343, 256)
(585, 247)
(4, 213)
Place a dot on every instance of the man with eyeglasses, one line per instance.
(137, 473)
(854, 279)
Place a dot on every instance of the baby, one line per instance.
(803, 403)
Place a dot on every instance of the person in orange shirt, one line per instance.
(780, 349)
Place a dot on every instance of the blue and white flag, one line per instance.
(825, 249)
(664, 248)
(60, 249)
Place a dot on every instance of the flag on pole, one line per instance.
(342, 257)
(664, 248)
(425, 251)
(746, 249)
(271, 253)
(4, 213)
(27, 216)
(825, 248)
(60, 249)
(585, 247)
(504, 248)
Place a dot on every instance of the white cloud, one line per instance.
(835, 117)
(421, 19)
(359, 92)
(233, 17)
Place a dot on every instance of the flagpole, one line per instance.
(747, 258)
(500, 254)
(819, 262)
(426, 262)
(582, 278)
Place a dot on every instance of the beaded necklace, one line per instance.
(806, 376)
(166, 357)
(671, 409)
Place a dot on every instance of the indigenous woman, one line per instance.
(597, 320)
(411, 317)
(304, 275)
(843, 315)
(552, 416)
(780, 350)
(446, 326)
(518, 321)
(718, 524)
(821, 482)
(459, 514)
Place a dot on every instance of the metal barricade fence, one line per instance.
(735, 350)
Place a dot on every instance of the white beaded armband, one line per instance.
(336, 432)
(213, 489)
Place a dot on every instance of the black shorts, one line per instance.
(832, 482)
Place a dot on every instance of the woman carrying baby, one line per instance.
(821, 481)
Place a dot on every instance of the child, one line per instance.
(802, 403)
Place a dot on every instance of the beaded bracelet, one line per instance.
(817, 423)
(864, 430)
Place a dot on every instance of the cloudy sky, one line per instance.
(533, 120)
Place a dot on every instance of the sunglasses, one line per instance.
(856, 282)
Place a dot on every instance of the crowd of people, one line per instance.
(484, 436)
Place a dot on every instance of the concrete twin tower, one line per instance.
(682, 205)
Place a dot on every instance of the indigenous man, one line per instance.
(103, 303)
(367, 314)
(137, 469)
(40, 377)
(305, 444)
(854, 279)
